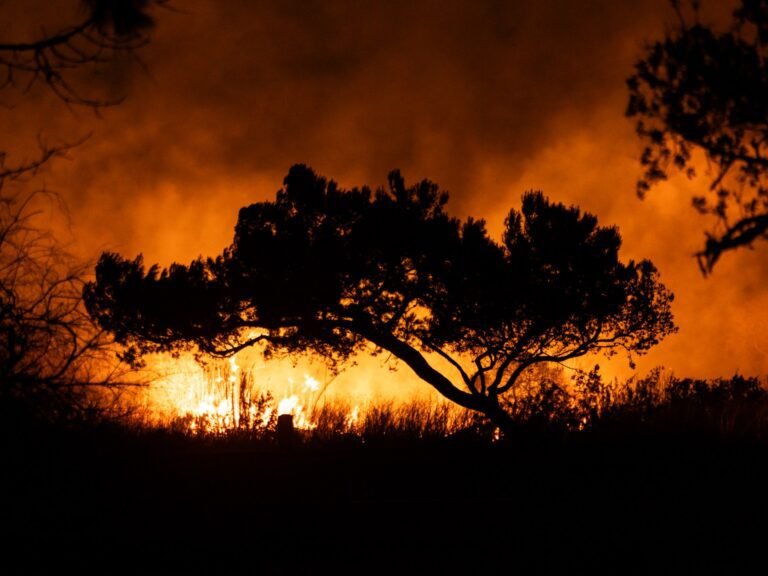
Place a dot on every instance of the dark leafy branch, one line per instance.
(108, 28)
(700, 90)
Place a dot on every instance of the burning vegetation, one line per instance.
(236, 398)
(223, 397)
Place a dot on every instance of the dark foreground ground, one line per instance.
(107, 502)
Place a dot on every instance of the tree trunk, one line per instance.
(486, 405)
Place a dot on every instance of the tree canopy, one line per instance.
(707, 91)
(329, 270)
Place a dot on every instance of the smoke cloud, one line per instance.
(488, 98)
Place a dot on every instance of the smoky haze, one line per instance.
(487, 98)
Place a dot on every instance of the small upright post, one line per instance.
(286, 434)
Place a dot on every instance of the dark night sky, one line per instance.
(487, 98)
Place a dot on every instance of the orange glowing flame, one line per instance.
(244, 393)
(288, 405)
(352, 419)
(216, 397)
(296, 404)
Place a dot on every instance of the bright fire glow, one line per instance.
(296, 404)
(217, 397)
(352, 418)
(245, 393)
(288, 405)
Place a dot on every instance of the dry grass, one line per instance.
(657, 403)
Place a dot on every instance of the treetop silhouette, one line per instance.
(700, 90)
(328, 270)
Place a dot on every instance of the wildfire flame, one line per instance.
(293, 405)
(218, 397)
(288, 405)
(352, 418)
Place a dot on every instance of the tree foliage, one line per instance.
(328, 270)
(52, 354)
(703, 90)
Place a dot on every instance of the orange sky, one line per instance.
(487, 98)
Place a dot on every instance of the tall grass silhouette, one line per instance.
(546, 401)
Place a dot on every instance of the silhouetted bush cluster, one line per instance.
(720, 407)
